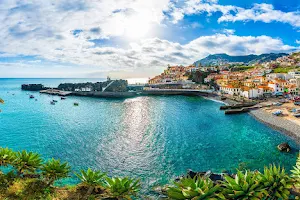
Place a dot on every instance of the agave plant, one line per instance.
(276, 182)
(27, 162)
(91, 179)
(243, 186)
(122, 188)
(296, 173)
(53, 170)
(7, 156)
(193, 188)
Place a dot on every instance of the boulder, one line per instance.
(285, 147)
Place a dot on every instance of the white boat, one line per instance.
(277, 112)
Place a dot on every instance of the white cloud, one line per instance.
(259, 12)
(46, 30)
(148, 57)
(228, 31)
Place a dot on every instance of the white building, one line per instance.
(229, 89)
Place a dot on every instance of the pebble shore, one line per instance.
(283, 125)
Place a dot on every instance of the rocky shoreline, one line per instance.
(283, 125)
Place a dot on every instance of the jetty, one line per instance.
(237, 106)
(56, 92)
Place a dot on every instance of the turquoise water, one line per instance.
(153, 138)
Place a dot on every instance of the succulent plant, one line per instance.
(122, 188)
(193, 188)
(7, 156)
(276, 182)
(243, 186)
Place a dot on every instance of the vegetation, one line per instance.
(27, 162)
(283, 69)
(244, 186)
(122, 188)
(53, 170)
(296, 173)
(193, 188)
(28, 176)
(91, 179)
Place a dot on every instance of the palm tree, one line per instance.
(7, 156)
(53, 170)
(27, 162)
(91, 179)
(122, 188)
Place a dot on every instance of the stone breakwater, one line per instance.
(283, 125)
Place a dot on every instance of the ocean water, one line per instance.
(152, 138)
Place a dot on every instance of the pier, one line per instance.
(56, 92)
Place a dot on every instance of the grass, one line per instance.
(35, 189)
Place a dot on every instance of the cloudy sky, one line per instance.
(137, 38)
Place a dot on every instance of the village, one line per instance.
(280, 77)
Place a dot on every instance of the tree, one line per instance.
(53, 170)
(91, 179)
(27, 162)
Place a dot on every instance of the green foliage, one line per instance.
(90, 177)
(243, 186)
(283, 69)
(296, 172)
(276, 182)
(7, 156)
(121, 188)
(27, 162)
(53, 170)
(193, 188)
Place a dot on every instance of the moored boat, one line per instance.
(76, 104)
(31, 97)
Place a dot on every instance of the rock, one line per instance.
(285, 147)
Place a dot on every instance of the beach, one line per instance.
(286, 124)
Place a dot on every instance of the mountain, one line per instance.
(217, 59)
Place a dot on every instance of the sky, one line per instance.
(137, 38)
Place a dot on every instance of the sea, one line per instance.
(153, 138)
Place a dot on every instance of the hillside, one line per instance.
(217, 59)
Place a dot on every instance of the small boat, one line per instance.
(52, 103)
(277, 113)
(76, 104)
(63, 98)
(31, 97)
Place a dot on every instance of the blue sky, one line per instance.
(137, 38)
